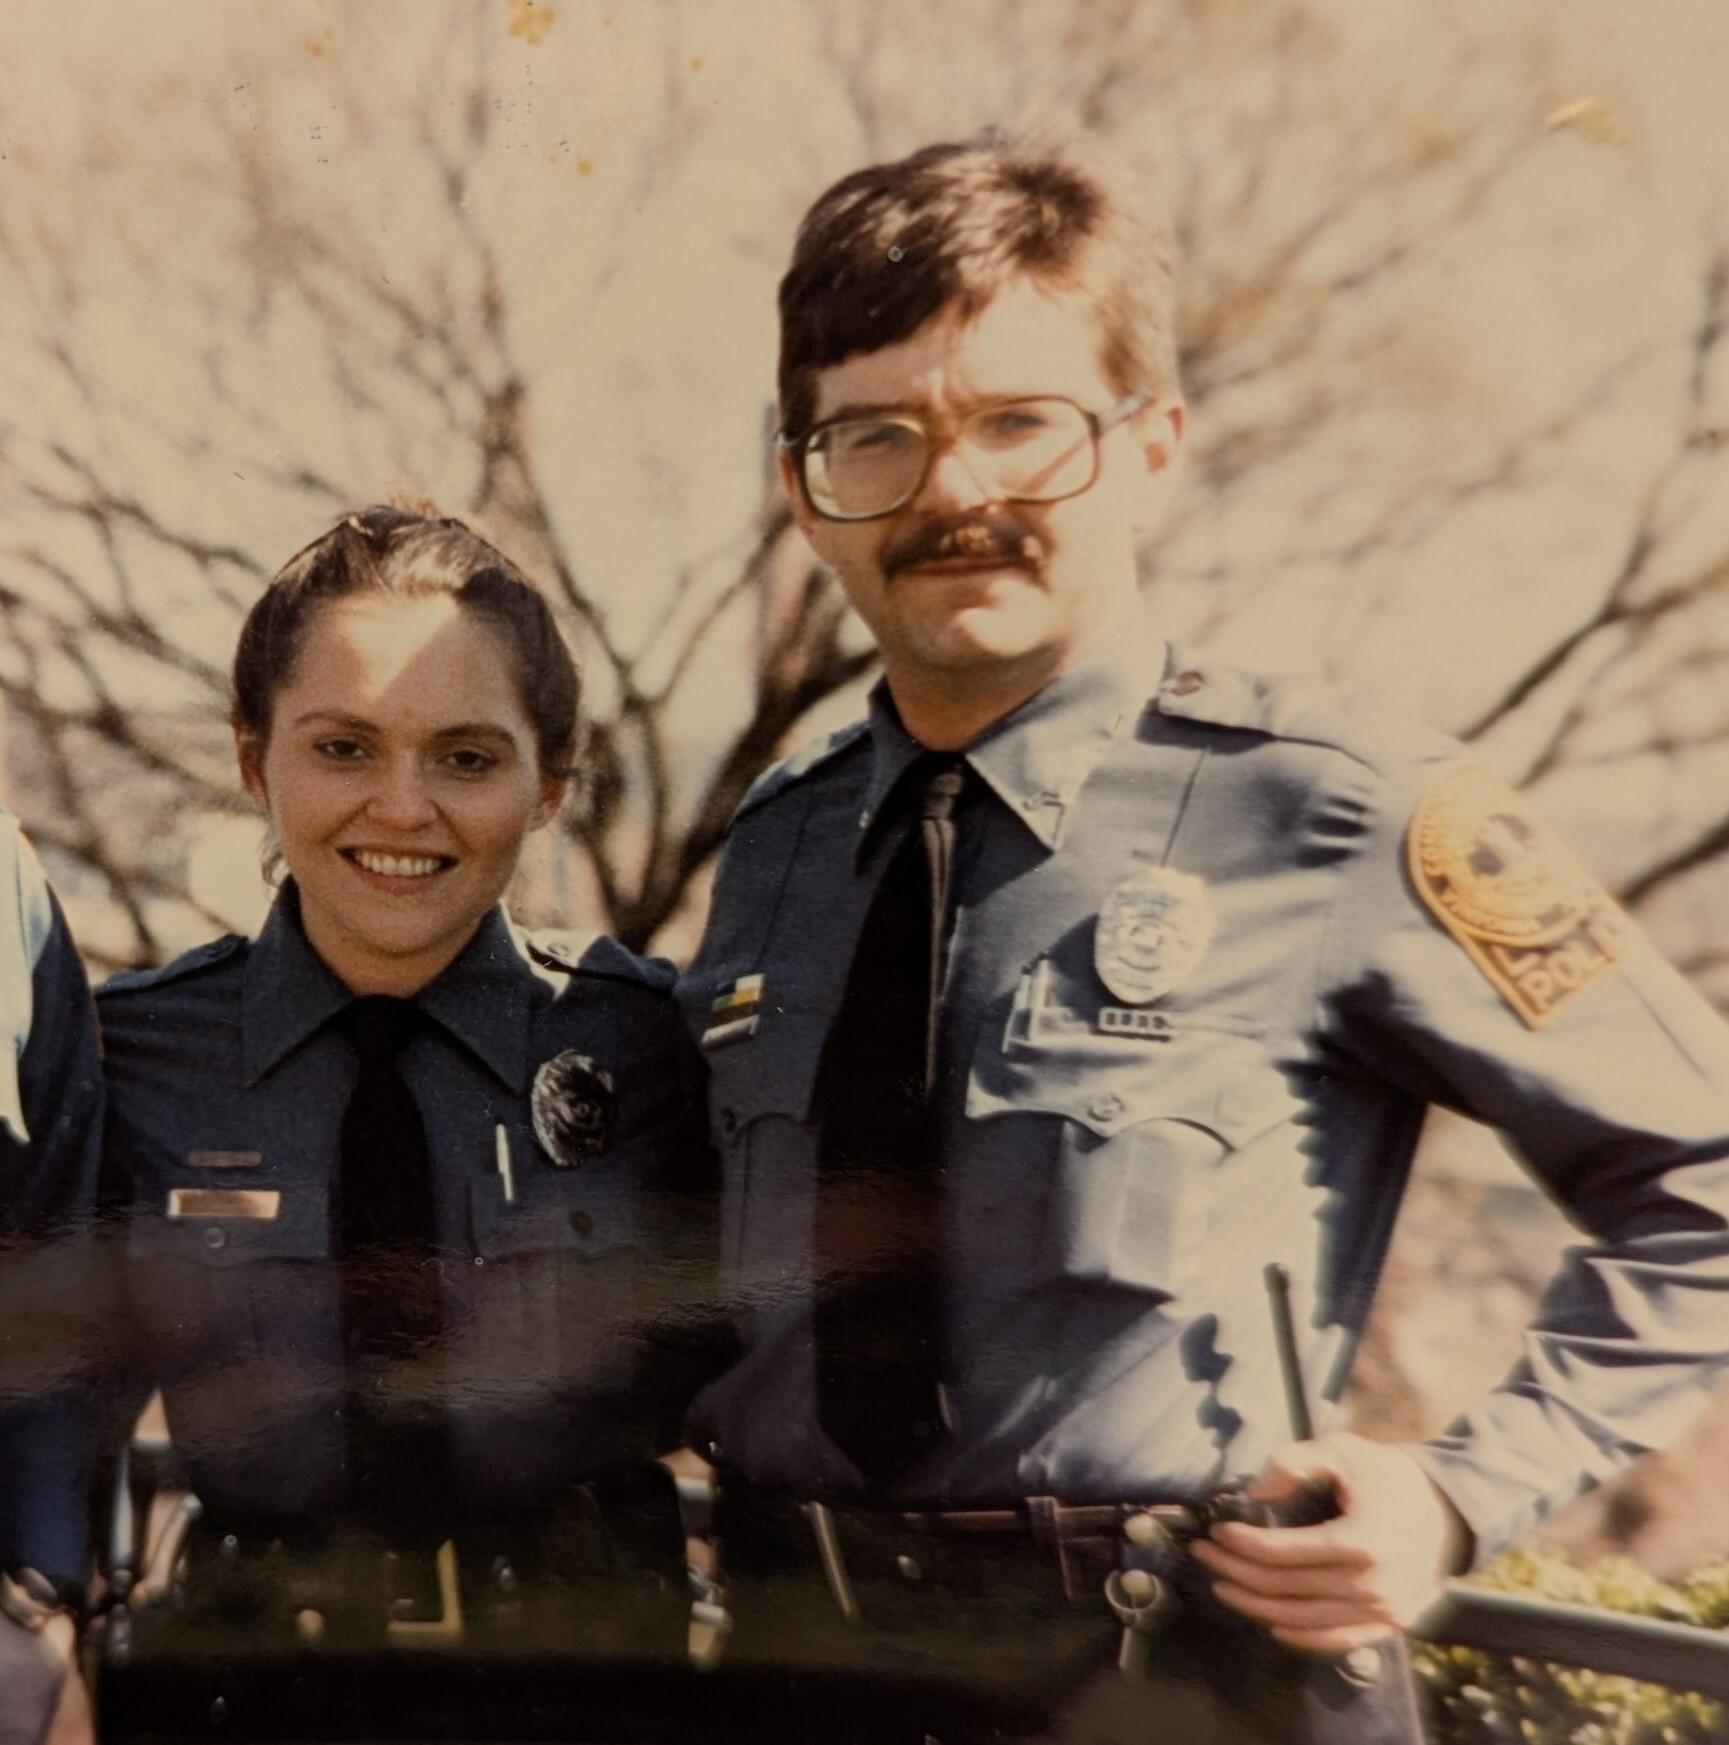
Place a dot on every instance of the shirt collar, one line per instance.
(482, 997)
(1036, 758)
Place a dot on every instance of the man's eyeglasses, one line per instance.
(1037, 450)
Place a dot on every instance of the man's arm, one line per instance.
(1474, 965)
(50, 1141)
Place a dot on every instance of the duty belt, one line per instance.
(1127, 1553)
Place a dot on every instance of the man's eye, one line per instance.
(1012, 423)
(867, 441)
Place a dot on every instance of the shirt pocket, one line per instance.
(1132, 1130)
(762, 1102)
(238, 1318)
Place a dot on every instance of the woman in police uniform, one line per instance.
(413, 1205)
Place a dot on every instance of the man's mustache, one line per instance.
(978, 537)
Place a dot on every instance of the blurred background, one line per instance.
(1453, 331)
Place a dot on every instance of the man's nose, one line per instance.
(952, 482)
(401, 798)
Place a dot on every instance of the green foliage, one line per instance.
(1484, 1699)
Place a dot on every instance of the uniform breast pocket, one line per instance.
(558, 1287)
(237, 1283)
(762, 1101)
(1131, 1133)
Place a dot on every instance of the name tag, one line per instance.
(262, 1203)
(1132, 1021)
(719, 1035)
(224, 1159)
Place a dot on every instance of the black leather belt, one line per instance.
(1043, 1548)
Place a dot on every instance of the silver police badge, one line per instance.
(574, 1108)
(1152, 931)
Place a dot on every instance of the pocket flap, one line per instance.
(1214, 1080)
(772, 1071)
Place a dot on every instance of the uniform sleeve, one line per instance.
(692, 1339)
(1473, 963)
(49, 1161)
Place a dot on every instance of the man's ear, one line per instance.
(1159, 429)
(249, 754)
(802, 513)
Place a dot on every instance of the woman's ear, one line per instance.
(552, 792)
(249, 754)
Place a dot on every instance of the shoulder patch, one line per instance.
(794, 768)
(189, 963)
(575, 952)
(1509, 891)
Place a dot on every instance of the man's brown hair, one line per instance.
(887, 247)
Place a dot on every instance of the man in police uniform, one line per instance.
(1207, 943)
(50, 1130)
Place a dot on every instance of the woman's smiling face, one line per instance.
(401, 774)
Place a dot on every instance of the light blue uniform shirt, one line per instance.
(1353, 929)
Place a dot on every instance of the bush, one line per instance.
(1485, 1699)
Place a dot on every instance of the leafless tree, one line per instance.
(366, 309)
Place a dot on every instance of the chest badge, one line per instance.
(1152, 932)
(574, 1108)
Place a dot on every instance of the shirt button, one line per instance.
(1107, 1107)
(581, 1223)
(1186, 684)
(910, 1567)
(729, 1122)
(215, 1237)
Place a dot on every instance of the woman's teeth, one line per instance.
(397, 866)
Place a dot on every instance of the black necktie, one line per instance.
(390, 1278)
(878, 1235)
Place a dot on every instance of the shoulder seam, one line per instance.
(201, 957)
(788, 771)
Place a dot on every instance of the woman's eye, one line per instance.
(469, 762)
(340, 750)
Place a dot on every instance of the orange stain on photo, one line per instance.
(1591, 119)
(530, 21)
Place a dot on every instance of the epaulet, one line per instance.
(778, 777)
(572, 952)
(1362, 724)
(189, 963)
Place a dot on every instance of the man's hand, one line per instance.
(1352, 1580)
(42, 1696)
(73, 1723)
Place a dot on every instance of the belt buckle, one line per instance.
(445, 1624)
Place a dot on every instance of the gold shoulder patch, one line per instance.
(1507, 889)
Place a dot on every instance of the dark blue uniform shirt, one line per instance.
(50, 1136)
(568, 1281)
(1220, 940)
